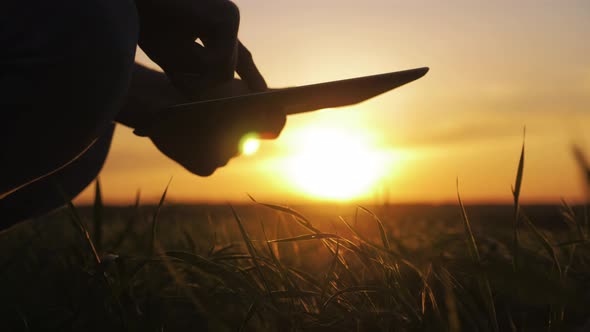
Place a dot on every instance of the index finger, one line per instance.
(169, 29)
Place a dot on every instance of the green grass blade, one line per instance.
(97, 215)
(79, 223)
(24, 320)
(428, 293)
(356, 289)
(544, 241)
(229, 274)
(483, 280)
(333, 265)
(516, 195)
(584, 166)
(519, 174)
(249, 314)
(298, 216)
(471, 244)
(252, 252)
(284, 273)
(154, 246)
(450, 298)
(571, 243)
(382, 232)
(222, 250)
(83, 230)
(285, 294)
(569, 217)
(130, 224)
(307, 224)
(307, 238)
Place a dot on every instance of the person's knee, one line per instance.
(95, 78)
(51, 192)
(117, 27)
(70, 88)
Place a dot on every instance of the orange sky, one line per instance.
(495, 67)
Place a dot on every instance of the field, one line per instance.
(265, 267)
(319, 268)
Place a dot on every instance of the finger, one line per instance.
(169, 29)
(248, 71)
(206, 157)
(274, 126)
(231, 88)
(217, 22)
(268, 124)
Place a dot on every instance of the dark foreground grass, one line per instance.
(265, 267)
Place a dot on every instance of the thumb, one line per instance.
(271, 124)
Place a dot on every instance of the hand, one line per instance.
(168, 30)
(203, 142)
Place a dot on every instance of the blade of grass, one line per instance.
(130, 223)
(356, 289)
(154, 242)
(298, 216)
(286, 280)
(79, 224)
(252, 252)
(404, 294)
(382, 232)
(326, 282)
(427, 291)
(282, 294)
(483, 280)
(251, 311)
(394, 255)
(584, 166)
(365, 240)
(77, 221)
(97, 215)
(571, 243)
(471, 244)
(226, 272)
(544, 241)
(306, 238)
(307, 224)
(453, 321)
(222, 250)
(283, 273)
(569, 216)
(516, 196)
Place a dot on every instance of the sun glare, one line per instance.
(335, 164)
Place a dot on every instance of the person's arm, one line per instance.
(150, 90)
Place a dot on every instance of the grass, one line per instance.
(266, 267)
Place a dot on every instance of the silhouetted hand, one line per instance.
(203, 142)
(168, 30)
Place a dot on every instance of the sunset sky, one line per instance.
(496, 66)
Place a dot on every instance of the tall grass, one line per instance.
(239, 273)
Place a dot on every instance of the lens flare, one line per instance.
(249, 144)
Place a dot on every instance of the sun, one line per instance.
(334, 164)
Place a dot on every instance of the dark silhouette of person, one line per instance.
(67, 75)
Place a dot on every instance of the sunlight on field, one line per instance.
(335, 164)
